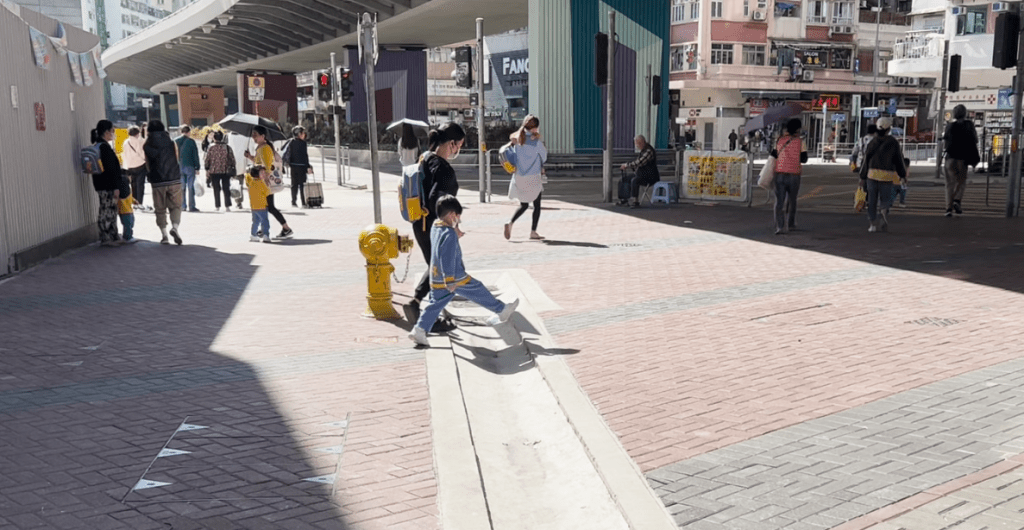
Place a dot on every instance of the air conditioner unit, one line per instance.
(906, 81)
(808, 76)
(957, 11)
(863, 4)
(759, 15)
(1002, 7)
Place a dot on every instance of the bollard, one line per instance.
(380, 244)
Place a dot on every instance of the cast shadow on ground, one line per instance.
(123, 363)
(974, 249)
(301, 242)
(584, 244)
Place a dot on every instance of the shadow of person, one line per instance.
(301, 242)
(584, 244)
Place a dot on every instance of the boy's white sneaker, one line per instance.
(419, 336)
(505, 313)
(266, 239)
(254, 239)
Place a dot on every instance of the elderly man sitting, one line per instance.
(646, 168)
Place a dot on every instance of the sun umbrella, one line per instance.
(241, 123)
(773, 115)
(415, 124)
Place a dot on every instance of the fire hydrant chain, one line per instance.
(405, 276)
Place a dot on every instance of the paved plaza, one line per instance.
(674, 366)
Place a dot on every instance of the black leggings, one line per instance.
(421, 229)
(274, 211)
(536, 211)
(221, 184)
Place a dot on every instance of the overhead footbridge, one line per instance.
(210, 41)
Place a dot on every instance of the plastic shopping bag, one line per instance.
(200, 190)
(767, 175)
(860, 198)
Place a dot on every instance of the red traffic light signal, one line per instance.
(324, 80)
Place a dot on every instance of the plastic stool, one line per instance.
(662, 193)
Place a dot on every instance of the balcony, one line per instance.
(884, 17)
(919, 54)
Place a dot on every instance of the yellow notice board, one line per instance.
(715, 175)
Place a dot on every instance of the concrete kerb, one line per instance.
(461, 495)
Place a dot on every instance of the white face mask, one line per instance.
(456, 153)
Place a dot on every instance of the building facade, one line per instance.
(729, 61)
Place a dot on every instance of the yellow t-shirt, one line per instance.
(265, 157)
(258, 192)
(124, 205)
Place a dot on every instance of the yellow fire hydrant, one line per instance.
(379, 245)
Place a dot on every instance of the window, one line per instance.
(842, 13)
(683, 57)
(716, 9)
(753, 55)
(786, 9)
(972, 22)
(762, 4)
(695, 10)
(746, 8)
(721, 54)
(678, 11)
(817, 12)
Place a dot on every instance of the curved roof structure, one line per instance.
(209, 41)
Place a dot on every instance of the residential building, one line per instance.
(68, 12)
(729, 61)
(122, 19)
(446, 101)
(969, 28)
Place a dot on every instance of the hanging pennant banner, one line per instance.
(88, 74)
(60, 40)
(76, 67)
(39, 48)
(98, 62)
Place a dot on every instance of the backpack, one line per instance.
(286, 158)
(508, 158)
(91, 160)
(411, 192)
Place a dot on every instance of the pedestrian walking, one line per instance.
(883, 166)
(164, 175)
(107, 184)
(408, 146)
(527, 183)
(188, 161)
(961, 142)
(220, 167)
(125, 202)
(269, 159)
(857, 156)
(296, 155)
(135, 162)
(645, 169)
(444, 144)
(732, 140)
(790, 156)
(448, 273)
(257, 181)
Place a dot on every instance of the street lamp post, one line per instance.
(874, 66)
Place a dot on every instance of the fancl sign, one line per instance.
(513, 71)
(512, 65)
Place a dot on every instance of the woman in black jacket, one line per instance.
(107, 184)
(884, 166)
(297, 158)
(438, 180)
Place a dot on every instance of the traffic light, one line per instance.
(656, 90)
(345, 84)
(953, 85)
(1004, 52)
(324, 86)
(463, 73)
(601, 59)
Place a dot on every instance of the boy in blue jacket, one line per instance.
(448, 274)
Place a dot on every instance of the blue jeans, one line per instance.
(878, 192)
(128, 222)
(474, 291)
(787, 187)
(188, 182)
(260, 221)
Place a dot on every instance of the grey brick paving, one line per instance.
(836, 468)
